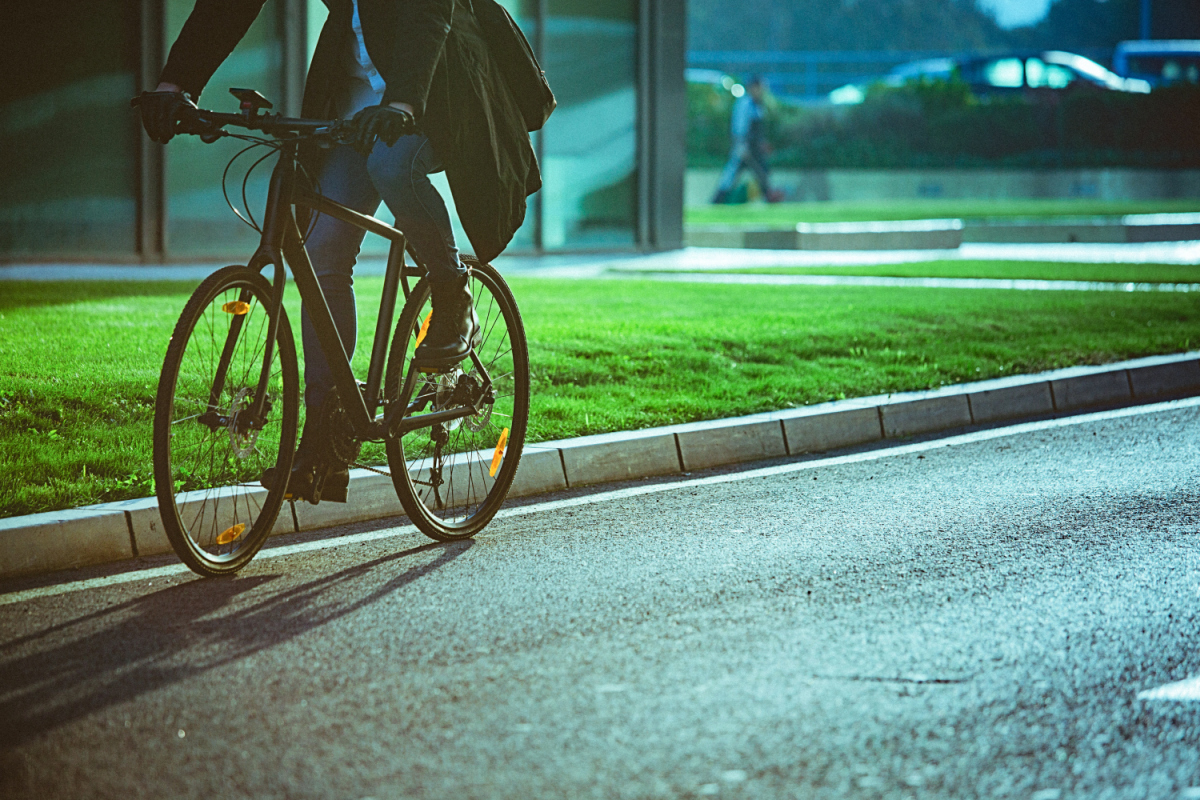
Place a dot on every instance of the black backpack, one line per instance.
(516, 61)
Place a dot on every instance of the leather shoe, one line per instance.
(453, 330)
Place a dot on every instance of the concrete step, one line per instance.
(921, 234)
(948, 234)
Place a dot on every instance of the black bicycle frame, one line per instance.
(281, 240)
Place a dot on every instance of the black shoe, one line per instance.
(453, 330)
(317, 472)
(303, 484)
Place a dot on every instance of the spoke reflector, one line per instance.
(231, 534)
(236, 307)
(498, 456)
(424, 328)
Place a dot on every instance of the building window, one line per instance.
(68, 174)
(590, 147)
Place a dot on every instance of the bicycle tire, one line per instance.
(488, 470)
(207, 464)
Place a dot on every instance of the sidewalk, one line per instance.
(687, 259)
(117, 531)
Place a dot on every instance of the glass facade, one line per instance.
(78, 180)
(197, 216)
(589, 153)
(68, 138)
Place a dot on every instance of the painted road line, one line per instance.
(634, 491)
(911, 283)
(1180, 691)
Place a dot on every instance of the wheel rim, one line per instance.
(456, 480)
(216, 453)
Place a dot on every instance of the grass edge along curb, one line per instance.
(57, 540)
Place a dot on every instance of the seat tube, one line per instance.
(383, 326)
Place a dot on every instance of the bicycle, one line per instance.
(228, 400)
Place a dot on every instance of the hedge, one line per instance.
(941, 123)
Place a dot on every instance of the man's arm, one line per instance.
(405, 40)
(208, 37)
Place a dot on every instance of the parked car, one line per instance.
(1161, 62)
(1005, 75)
(719, 81)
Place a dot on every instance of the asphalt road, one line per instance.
(975, 620)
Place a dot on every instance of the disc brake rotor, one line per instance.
(241, 442)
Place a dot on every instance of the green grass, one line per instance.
(79, 362)
(788, 214)
(1006, 270)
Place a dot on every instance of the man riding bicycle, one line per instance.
(395, 66)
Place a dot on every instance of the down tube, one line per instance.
(327, 335)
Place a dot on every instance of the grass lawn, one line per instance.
(788, 214)
(79, 361)
(1006, 270)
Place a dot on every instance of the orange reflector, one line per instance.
(231, 534)
(498, 456)
(236, 307)
(424, 328)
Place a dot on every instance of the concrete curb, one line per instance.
(115, 531)
(949, 234)
(926, 234)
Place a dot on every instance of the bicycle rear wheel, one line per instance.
(209, 452)
(452, 478)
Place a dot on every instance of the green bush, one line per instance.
(941, 123)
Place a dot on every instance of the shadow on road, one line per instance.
(119, 653)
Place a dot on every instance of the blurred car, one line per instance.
(1005, 75)
(1161, 62)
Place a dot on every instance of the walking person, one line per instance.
(749, 151)
(426, 94)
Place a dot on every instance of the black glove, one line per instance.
(160, 112)
(382, 122)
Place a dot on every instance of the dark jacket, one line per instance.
(431, 54)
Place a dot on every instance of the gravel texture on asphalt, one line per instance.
(974, 621)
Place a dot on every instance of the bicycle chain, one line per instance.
(368, 468)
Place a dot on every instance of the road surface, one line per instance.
(1007, 613)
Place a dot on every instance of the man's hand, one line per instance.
(160, 111)
(387, 123)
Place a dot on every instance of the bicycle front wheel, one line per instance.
(210, 448)
(453, 477)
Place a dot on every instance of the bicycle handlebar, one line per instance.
(205, 124)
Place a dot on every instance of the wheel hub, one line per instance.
(242, 437)
(444, 391)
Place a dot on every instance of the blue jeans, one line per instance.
(399, 175)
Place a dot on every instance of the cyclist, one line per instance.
(392, 65)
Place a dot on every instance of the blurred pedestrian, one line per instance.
(750, 148)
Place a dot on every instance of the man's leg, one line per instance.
(400, 174)
(756, 159)
(333, 246)
(729, 175)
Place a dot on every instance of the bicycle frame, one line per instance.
(281, 242)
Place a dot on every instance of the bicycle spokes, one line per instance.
(456, 472)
